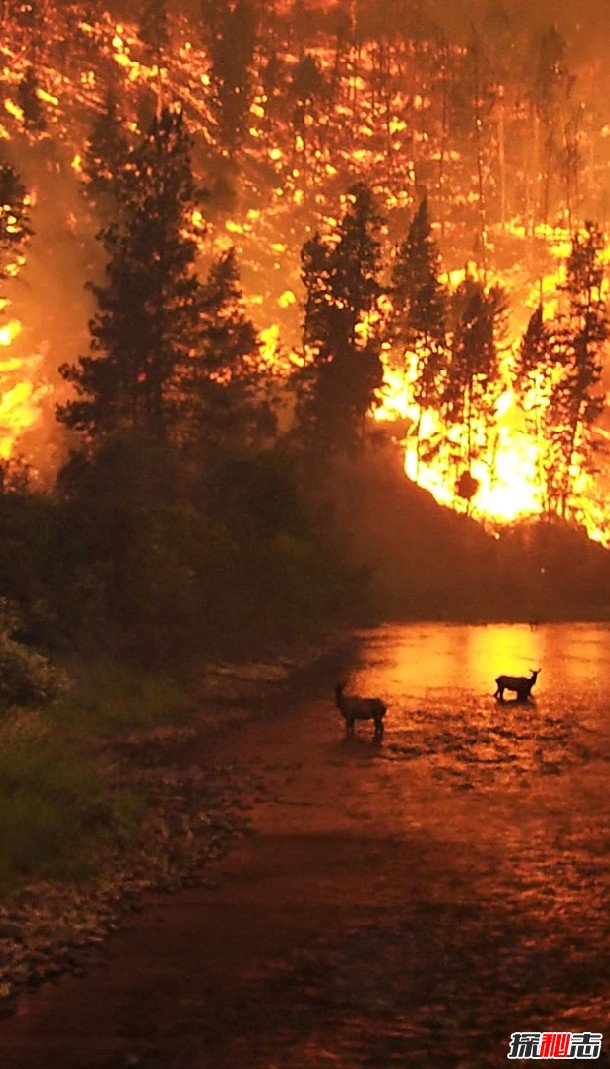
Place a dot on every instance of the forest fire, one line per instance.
(20, 396)
(304, 369)
(395, 119)
(508, 486)
(508, 476)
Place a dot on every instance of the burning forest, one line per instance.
(306, 232)
(475, 320)
(304, 369)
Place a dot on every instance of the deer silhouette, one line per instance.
(519, 685)
(352, 709)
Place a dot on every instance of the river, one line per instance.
(409, 903)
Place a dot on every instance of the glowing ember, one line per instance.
(9, 332)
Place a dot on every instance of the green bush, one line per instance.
(26, 678)
(109, 697)
(54, 811)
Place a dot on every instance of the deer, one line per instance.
(352, 709)
(520, 685)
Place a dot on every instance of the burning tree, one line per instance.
(559, 373)
(579, 336)
(472, 384)
(104, 157)
(309, 89)
(14, 218)
(231, 39)
(154, 28)
(550, 86)
(533, 382)
(29, 101)
(419, 313)
(340, 273)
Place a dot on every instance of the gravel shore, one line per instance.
(194, 809)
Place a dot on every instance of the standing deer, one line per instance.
(353, 709)
(520, 685)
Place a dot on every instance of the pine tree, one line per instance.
(223, 410)
(341, 285)
(272, 76)
(148, 322)
(580, 334)
(533, 383)
(419, 295)
(303, 17)
(231, 47)
(154, 29)
(472, 382)
(309, 89)
(419, 315)
(30, 102)
(308, 85)
(105, 155)
(550, 83)
(14, 217)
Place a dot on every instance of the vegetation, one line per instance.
(340, 274)
(215, 498)
(55, 809)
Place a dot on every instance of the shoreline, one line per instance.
(194, 813)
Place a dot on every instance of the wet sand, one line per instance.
(404, 904)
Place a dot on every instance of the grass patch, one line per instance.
(109, 699)
(55, 811)
(57, 805)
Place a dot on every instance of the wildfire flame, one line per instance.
(309, 171)
(20, 397)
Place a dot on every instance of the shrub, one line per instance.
(26, 677)
(54, 811)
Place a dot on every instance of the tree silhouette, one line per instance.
(148, 319)
(580, 333)
(340, 273)
(231, 47)
(105, 156)
(154, 28)
(472, 383)
(223, 410)
(14, 217)
(30, 102)
(420, 311)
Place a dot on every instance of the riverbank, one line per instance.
(404, 904)
(133, 812)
